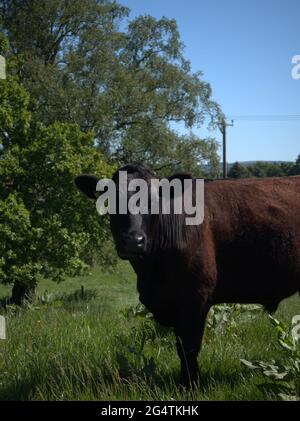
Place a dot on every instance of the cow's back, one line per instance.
(255, 225)
(231, 202)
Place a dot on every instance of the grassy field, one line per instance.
(89, 344)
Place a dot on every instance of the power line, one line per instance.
(288, 117)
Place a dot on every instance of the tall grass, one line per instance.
(82, 344)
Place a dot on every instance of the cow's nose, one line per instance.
(131, 245)
(140, 240)
(133, 240)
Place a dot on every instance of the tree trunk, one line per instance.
(22, 292)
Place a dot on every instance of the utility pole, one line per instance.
(223, 125)
(2, 68)
(2, 76)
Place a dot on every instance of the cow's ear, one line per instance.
(87, 184)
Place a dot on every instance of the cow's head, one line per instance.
(130, 231)
(139, 234)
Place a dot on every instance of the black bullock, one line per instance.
(247, 250)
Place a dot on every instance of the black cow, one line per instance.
(247, 250)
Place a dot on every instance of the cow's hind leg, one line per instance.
(189, 332)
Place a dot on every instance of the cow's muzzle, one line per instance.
(131, 245)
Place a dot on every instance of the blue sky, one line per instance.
(244, 48)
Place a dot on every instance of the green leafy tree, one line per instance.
(286, 168)
(238, 171)
(17, 248)
(83, 64)
(4, 45)
(46, 229)
(170, 151)
(296, 167)
(270, 169)
(275, 170)
(265, 169)
(259, 169)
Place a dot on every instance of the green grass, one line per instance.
(82, 346)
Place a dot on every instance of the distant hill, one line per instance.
(249, 163)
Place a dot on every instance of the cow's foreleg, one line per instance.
(189, 333)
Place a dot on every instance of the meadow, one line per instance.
(88, 339)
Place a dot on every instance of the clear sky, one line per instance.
(244, 48)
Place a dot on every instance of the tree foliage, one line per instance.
(46, 229)
(295, 169)
(238, 171)
(265, 169)
(84, 64)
